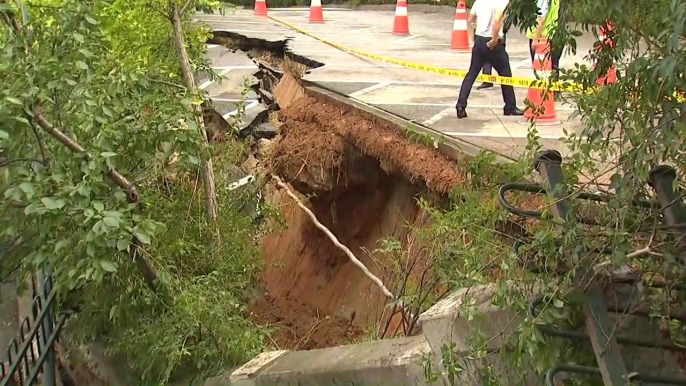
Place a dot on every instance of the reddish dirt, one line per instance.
(302, 263)
(315, 132)
(299, 327)
(366, 179)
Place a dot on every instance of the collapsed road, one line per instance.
(363, 178)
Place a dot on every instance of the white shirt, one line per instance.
(542, 7)
(485, 10)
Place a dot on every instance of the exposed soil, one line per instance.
(299, 327)
(362, 180)
(327, 129)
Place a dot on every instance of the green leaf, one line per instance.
(10, 230)
(27, 188)
(123, 244)
(111, 221)
(108, 154)
(52, 203)
(4, 135)
(108, 266)
(61, 244)
(14, 101)
(98, 206)
(107, 111)
(85, 53)
(22, 120)
(558, 303)
(142, 237)
(81, 64)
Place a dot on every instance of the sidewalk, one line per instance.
(420, 96)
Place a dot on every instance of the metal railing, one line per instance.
(600, 331)
(31, 355)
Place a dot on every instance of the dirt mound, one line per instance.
(316, 133)
(299, 327)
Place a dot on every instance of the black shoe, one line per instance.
(484, 86)
(461, 112)
(514, 112)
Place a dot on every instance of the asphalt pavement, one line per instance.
(419, 96)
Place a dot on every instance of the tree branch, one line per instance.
(113, 174)
(41, 145)
(183, 8)
(334, 240)
(5, 163)
(146, 267)
(211, 207)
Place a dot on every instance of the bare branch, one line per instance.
(184, 7)
(211, 207)
(41, 145)
(640, 252)
(171, 84)
(334, 240)
(5, 163)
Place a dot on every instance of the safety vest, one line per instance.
(550, 20)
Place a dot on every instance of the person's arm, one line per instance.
(472, 13)
(543, 9)
(499, 17)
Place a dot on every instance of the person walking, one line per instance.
(488, 48)
(548, 15)
(488, 68)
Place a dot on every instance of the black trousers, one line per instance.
(555, 56)
(499, 59)
(488, 68)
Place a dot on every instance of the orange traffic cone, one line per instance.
(611, 74)
(401, 23)
(460, 40)
(316, 14)
(260, 8)
(542, 99)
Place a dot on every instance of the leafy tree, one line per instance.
(628, 128)
(101, 138)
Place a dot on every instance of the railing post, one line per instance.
(49, 369)
(662, 178)
(600, 329)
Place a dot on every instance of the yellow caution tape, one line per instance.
(510, 81)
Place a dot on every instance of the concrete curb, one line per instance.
(373, 363)
(452, 147)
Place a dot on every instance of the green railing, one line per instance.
(600, 330)
(31, 355)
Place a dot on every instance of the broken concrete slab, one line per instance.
(465, 313)
(266, 130)
(246, 374)
(287, 91)
(252, 119)
(384, 362)
(468, 317)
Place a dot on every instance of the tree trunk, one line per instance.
(189, 79)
